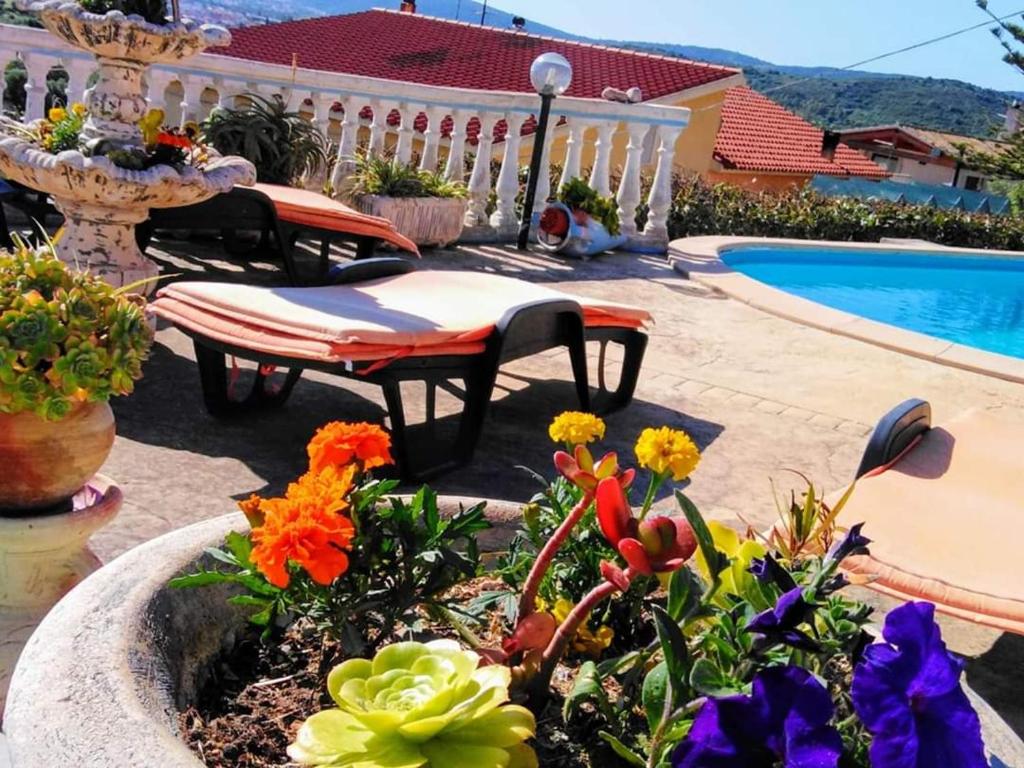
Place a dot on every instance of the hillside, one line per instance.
(824, 95)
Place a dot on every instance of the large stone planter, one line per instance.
(427, 221)
(101, 681)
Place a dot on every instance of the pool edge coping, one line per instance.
(699, 259)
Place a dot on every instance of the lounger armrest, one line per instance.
(539, 325)
(895, 431)
(368, 269)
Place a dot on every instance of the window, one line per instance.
(891, 164)
(973, 183)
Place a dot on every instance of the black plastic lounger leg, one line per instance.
(213, 375)
(894, 433)
(365, 246)
(634, 345)
(396, 413)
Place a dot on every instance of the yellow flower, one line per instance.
(665, 451)
(56, 114)
(150, 126)
(576, 428)
(79, 109)
(737, 578)
(591, 643)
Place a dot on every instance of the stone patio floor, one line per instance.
(761, 396)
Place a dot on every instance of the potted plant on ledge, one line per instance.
(68, 343)
(423, 205)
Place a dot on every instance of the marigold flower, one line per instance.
(667, 451)
(325, 490)
(576, 428)
(56, 114)
(339, 443)
(292, 530)
(79, 109)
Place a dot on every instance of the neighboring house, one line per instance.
(921, 155)
(763, 146)
(412, 48)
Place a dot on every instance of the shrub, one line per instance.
(578, 195)
(699, 208)
(282, 144)
(389, 177)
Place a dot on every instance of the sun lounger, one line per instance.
(944, 508)
(281, 215)
(384, 322)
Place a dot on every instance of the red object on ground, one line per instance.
(759, 135)
(554, 222)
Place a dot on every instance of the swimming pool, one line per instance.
(973, 300)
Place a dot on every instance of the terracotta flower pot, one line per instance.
(46, 462)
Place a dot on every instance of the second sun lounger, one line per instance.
(385, 323)
(944, 507)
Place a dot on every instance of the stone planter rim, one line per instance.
(92, 687)
(88, 690)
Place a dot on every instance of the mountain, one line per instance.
(826, 96)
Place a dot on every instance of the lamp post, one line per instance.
(551, 75)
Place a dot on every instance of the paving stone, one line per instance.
(743, 400)
(823, 420)
(771, 406)
(800, 414)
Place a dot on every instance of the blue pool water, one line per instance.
(972, 300)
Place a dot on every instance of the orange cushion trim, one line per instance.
(311, 209)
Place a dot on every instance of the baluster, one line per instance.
(504, 216)
(406, 128)
(600, 175)
(322, 103)
(348, 144)
(544, 177)
(455, 168)
(480, 180)
(431, 138)
(78, 75)
(191, 102)
(36, 67)
(660, 200)
(573, 153)
(378, 127)
(226, 95)
(629, 196)
(157, 82)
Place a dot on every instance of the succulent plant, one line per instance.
(66, 337)
(415, 705)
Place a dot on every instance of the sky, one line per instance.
(802, 32)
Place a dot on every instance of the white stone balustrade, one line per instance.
(581, 139)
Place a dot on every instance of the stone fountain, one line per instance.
(101, 201)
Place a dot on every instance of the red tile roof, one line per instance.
(423, 49)
(759, 135)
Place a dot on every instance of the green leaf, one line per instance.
(249, 601)
(656, 687)
(222, 556)
(240, 546)
(706, 678)
(717, 561)
(684, 591)
(264, 617)
(622, 750)
(587, 687)
(673, 646)
(201, 579)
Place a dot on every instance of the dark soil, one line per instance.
(257, 696)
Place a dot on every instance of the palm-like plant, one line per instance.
(282, 144)
(389, 177)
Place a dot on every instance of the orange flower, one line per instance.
(297, 530)
(251, 508)
(339, 443)
(326, 490)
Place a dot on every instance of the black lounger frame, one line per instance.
(525, 330)
(244, 209)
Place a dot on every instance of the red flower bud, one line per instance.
(658, 535)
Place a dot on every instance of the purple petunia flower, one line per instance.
(785, 721)
(779, 625)
(768, 571)
(853, 543)
(907, 693)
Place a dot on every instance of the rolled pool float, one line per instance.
(560, 231)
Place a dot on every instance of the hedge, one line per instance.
(702, 209)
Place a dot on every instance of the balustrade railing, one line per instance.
(460, 132)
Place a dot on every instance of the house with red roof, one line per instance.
(763, 146)
(413, 48)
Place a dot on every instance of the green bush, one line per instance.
(699, 208)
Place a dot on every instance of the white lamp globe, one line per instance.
(551, 74)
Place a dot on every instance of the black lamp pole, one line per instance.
(535, 169)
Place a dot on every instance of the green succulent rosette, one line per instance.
(66, 337)
(418, 705)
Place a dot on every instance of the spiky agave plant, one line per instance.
(282, 144)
